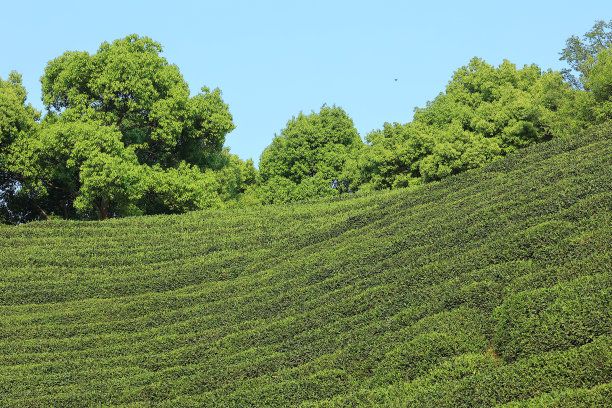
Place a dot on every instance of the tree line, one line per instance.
(122, 136)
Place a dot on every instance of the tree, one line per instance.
(123, 136)
(308, 157)
(580, 54)
(485, 112)
(16, 120)
(129, 85)
(591, 57)
(599, 83)
(517, 107)
(390, 158)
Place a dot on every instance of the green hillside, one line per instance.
(489, 288)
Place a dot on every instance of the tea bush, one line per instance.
(487, 288)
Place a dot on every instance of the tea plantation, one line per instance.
(490, 288)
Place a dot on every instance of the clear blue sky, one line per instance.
(274, 59)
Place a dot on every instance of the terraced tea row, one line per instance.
(490, 287)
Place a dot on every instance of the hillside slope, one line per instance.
(489, 288)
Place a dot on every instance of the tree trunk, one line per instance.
(103, 209)
(43, 212)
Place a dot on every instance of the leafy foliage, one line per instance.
(122, 136)
(580, 54)
(599, 83)
(591, 57)
(308, 157)
(487, 288)
(16, 120)
(168, 147)
(129, 85)
(485, 113)
(15, 116)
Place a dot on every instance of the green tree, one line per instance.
(591, 57)
(123, 136)
(307, 159)
(517, 107)
(16, 120)
(129, 85)
(580, 53)
(599, 83)
(390, 158)
(484, 113)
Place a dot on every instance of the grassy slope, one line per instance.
(490, 288)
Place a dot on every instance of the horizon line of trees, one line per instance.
(122, 136)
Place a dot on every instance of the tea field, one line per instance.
(490, 288)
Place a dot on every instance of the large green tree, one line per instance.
(485, 112)
(129, 85)
(122, 135)
(307, 159)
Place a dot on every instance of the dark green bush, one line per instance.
(567, 315)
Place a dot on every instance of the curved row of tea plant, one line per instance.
(489, 288)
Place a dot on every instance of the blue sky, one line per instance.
(274, 59)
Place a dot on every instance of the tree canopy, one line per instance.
(17, 120)
(580, 54)
(307, 158)
(485, 112)
(599, 83)
(129, 85)
(122, 135)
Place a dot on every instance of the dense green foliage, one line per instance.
(17, 120)
(129, 85)
(485, 113)
(122, 136)
(488, 288)
(307, 159)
